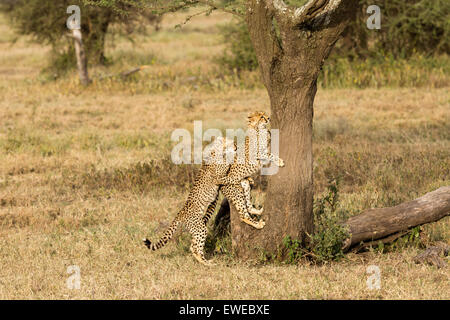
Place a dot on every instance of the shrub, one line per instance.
(327, 241)
(239, 54)
(293, 249)
(408, 28)
(45, 22)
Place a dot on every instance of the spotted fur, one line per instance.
(256, 153)
(204, 192)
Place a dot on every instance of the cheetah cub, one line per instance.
(204, 192)
(256, 155)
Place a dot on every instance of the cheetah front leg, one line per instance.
(246, 186)
(235, 195)
(273, 158)
(233, 191)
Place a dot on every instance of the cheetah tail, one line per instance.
(165, 238)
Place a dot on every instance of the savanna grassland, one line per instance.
(85, 173)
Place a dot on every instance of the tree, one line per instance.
(408, 26)
(291, 44)
(74, 24)
(45, 21)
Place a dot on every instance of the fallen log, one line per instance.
(132, 71)
(124, 74)
(386, 223)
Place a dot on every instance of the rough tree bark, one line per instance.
(95, 30)
(291, 45)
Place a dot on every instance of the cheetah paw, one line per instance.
(256, 212)
(202, 260)
(280, 163)
(258, 225)
(251, 181)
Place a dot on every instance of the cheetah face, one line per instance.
(258, 120)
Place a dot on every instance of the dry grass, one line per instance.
(84, 175)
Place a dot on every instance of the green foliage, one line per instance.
(424, 26)
(218, 244)
(293, 249)
(327, 241)
(410, 239)
(412, 29)
(45, 22)
(239, 54)
(407, 27)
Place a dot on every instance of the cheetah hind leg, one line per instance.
(198, 245)
(246, 183)
(199, 257)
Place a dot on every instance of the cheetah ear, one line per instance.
(257, 114)
(252, 117)
(262, 114)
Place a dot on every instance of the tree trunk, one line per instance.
(289, 199)
(387, 223)
(81, 57)
(96, 31)
(291, 47)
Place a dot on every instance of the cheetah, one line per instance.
(204, 192)
(256, 154)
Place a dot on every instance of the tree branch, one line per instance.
(190, 3)
(305, 14)
(218, 7)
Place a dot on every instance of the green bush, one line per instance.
(45, 22)
(411, 239)
(327, 241)
(239, 54)
(293, 249)
(383, 70)
(408, 27)
(416, 30)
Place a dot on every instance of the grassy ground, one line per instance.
(84, 174)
